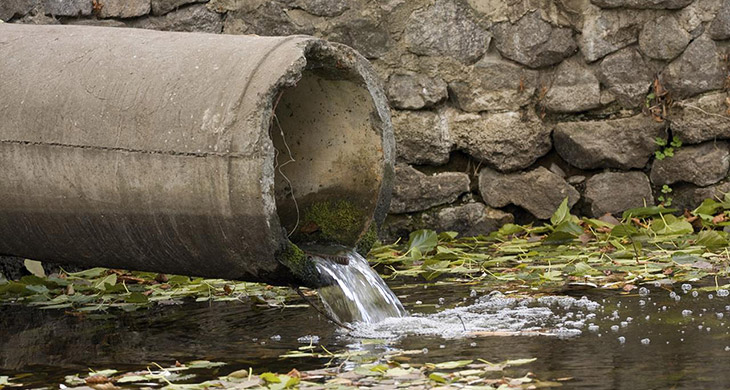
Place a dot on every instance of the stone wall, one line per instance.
(503, 108)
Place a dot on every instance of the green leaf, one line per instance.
(519, 362)
(676, 142)
(562, 214)
(583, 269)
(708, 209)
(133, 378)
(35, 267)
(452, 364)
(136, 297)
(669, 224)
(660, 141)
(108, 281)
(204, 364)
(598, 223)
(683, 258)
(423, 240)
(641, 212)
(447, 236)
(623, 230)
(270, 377)
(510, 229)
(711, 239)
(437, 378)
(291, 382)
(89, 273)
(38, 289)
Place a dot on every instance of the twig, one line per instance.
(279, 166)
(462, 322)
(703, 111)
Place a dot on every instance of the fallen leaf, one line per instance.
(97, 380)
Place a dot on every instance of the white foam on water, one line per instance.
(358, 294)
(492, 314)
(359, 297)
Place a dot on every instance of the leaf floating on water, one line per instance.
(35, 268)
(453, 364)
(422, 241)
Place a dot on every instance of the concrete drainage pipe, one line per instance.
(187, 153)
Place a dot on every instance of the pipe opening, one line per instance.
(329, 157)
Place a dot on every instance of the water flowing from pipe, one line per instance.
(357, 293)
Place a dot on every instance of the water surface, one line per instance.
(680, 349)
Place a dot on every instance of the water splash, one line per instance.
(492, 314)
(358, 294)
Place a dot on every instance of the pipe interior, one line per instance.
(328, 150)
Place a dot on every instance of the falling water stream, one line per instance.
(357, 294)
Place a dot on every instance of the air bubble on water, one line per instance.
(276, 337)
(418, 302)
(624, 324)
(442, 346)
(695, 294)
(629, 319)
(593, 327)
(686, 287)
(722, 293)
(621, 339)
(700, 327)
(473, 293)
(710, 296)
(614, 328)
(645, 341)
(472, 344)
(719, 315)
(643, 291)
(708, 329)
(590, 316)
(309, 339)
(664, 308)
(727, 348)
(425, 351)
(493, 312)
(647, 318)
(686, 313)
(441, 301)
(642, 302)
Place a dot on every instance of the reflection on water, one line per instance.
(687, 335)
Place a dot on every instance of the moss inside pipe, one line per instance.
(332, 222)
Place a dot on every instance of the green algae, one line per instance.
(333, 222)
(301, 265)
